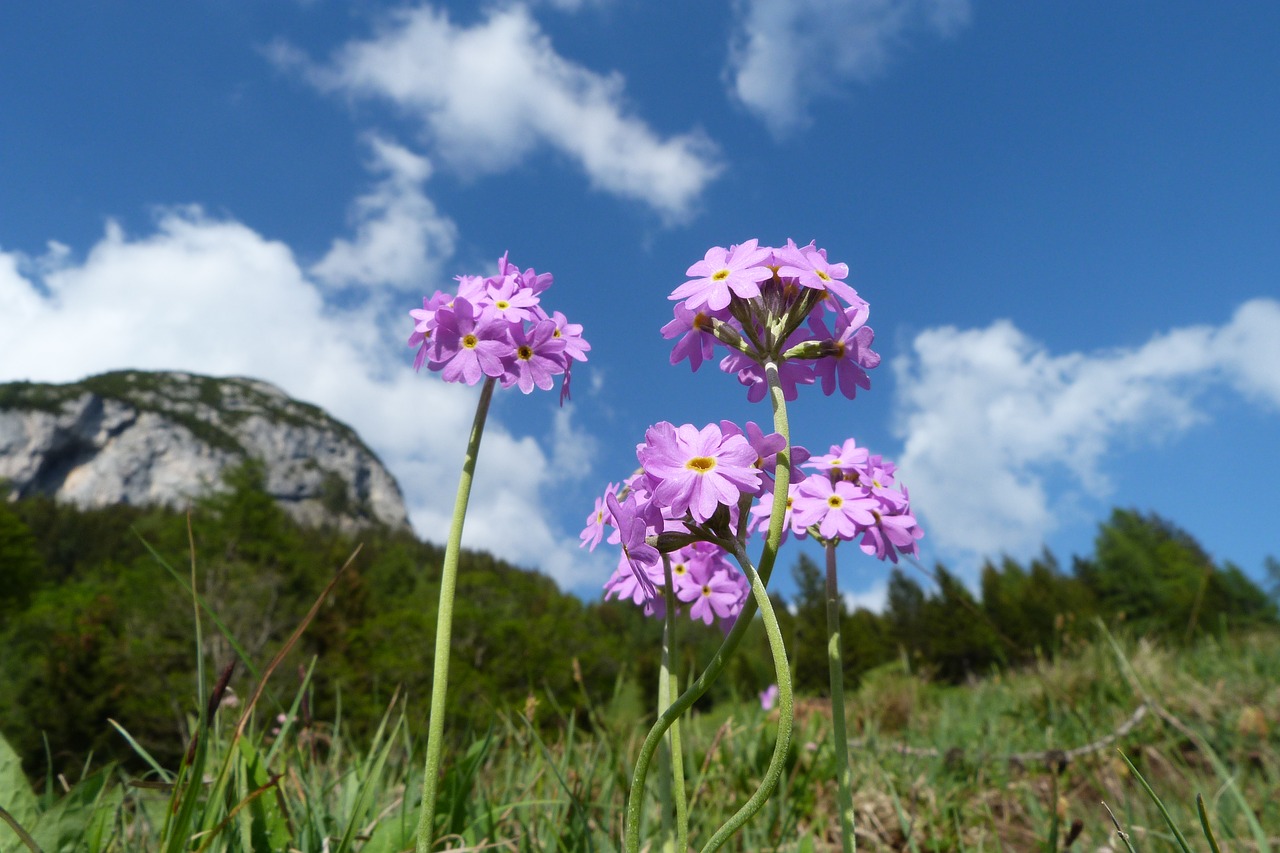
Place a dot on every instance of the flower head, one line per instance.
(724, 272)
(755, 300)
(495, 327)
(696, 471)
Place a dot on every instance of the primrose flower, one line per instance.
(853, 499)
(849, 354)
(468, 345)
(725, 272)
(754, 300)
(893, 533)
(839, 509)
(538, 356)
(495, 327)
(809, 267)
(696, 471)
(696, 343)
(848, 459)
(597, 520)
(632, 530)
(718, 596)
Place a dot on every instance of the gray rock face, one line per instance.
(135, 437)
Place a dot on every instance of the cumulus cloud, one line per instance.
(213, 296)
(987, 415)
(785, 53)
(488, 95)
(400, 237)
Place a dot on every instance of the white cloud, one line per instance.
(213, 296)
(490, 94)
(785, 53)
(873, 598)
(401, 238)
(986, 415)
(573, 449)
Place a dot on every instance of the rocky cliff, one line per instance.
(165, 438)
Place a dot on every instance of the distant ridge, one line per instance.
(166, 438)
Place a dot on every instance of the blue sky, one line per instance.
(1066, 218)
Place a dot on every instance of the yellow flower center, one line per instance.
(700, 464)
(470, 341)
(835, 501)
(822, 275)
(524, 353)
(502, 305)
(720, 275)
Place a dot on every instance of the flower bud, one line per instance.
(812, 350)
(671, 541)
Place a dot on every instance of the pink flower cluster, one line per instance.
(496, 327)
(853, 497)
(685, 499)
(787, 305)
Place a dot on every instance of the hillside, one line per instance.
(167, 438)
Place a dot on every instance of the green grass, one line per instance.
(932, 770)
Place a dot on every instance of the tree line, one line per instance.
(96, 623)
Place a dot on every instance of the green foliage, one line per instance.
(1157, 578)
(21, 566)
(807, 644)
(959, 642)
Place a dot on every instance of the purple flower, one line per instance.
(631, 582)
(890, 535)
(765, 446)
(575, 346)
(768, 697)
(696, 471)
(632, 530)
(840, 510)
(508, 300)
(847, 459)
(698, 343)
(808, 266)
(538, 355)
(851, 355)
(469, 346)
(495, 327)
(719, 596)
(425, 325)
(722, 272)
(597, 520)
(760, 513)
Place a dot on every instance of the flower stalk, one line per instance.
(444, 627)
(675, 810)
(839, 733)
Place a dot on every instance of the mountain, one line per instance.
(166, 438)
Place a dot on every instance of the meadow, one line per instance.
(1044, 758)
(1028, 717)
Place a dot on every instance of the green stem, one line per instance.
(675, 816)
(777, 763)
(839, 734)
(444, 627)
(720, 660)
